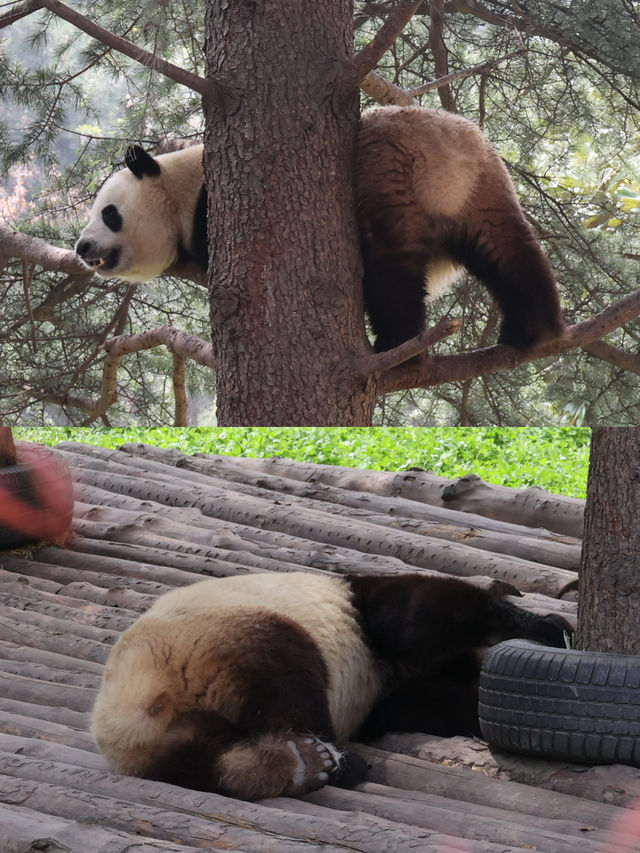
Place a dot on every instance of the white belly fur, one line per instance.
(439, 276)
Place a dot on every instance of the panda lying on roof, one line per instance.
(432, 197)
(251, 685)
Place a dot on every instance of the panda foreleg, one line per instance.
(394, 298)
(444, 704)
(434, 632)
(427, 621)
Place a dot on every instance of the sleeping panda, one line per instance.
(433, 197)
(251, 685)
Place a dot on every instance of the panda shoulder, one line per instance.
(189, 158)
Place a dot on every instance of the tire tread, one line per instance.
(558, 703)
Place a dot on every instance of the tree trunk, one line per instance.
(284, 268)
(608, 599)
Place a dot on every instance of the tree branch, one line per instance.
(366, 60)
(440, 53)
(173, 72)
(464, 72)
(454, 368)
(605, 352)
(83, 404)
(181, 344)
(522, 22)
(69, 287)
(371, 364)
(179, 392)
(178, 342)
(385, 92)
(20, 12)
(14, 244)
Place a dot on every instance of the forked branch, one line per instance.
(409, 349)
(181, 343)
(366, 60)
(182, 346)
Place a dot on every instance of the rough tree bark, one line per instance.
(608, 599)
(284, 271)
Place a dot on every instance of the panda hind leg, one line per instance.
(498, 246)
(288, 742)
(281, 740)
(272, 765)
(205, 753)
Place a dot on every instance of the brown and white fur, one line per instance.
(251, 685)
(432, 197)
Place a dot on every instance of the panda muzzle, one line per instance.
(95, 259)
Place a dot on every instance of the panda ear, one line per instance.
(140, 163)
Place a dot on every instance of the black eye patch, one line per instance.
(111, 217)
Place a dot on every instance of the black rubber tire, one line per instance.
(564, 704)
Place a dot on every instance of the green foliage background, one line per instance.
(554, 459)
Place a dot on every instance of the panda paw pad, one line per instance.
(316, 763)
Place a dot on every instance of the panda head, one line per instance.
(132, 231)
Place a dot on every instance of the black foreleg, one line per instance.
(444, 704)
(435, 630)
(426, 620)
(394, 299)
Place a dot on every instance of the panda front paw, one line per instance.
(353, 770)
(555, 631)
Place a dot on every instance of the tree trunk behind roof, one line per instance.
(609, 591)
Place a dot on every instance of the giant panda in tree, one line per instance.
(433, 197)
(251, 685)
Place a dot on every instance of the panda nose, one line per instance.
(85, 247)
